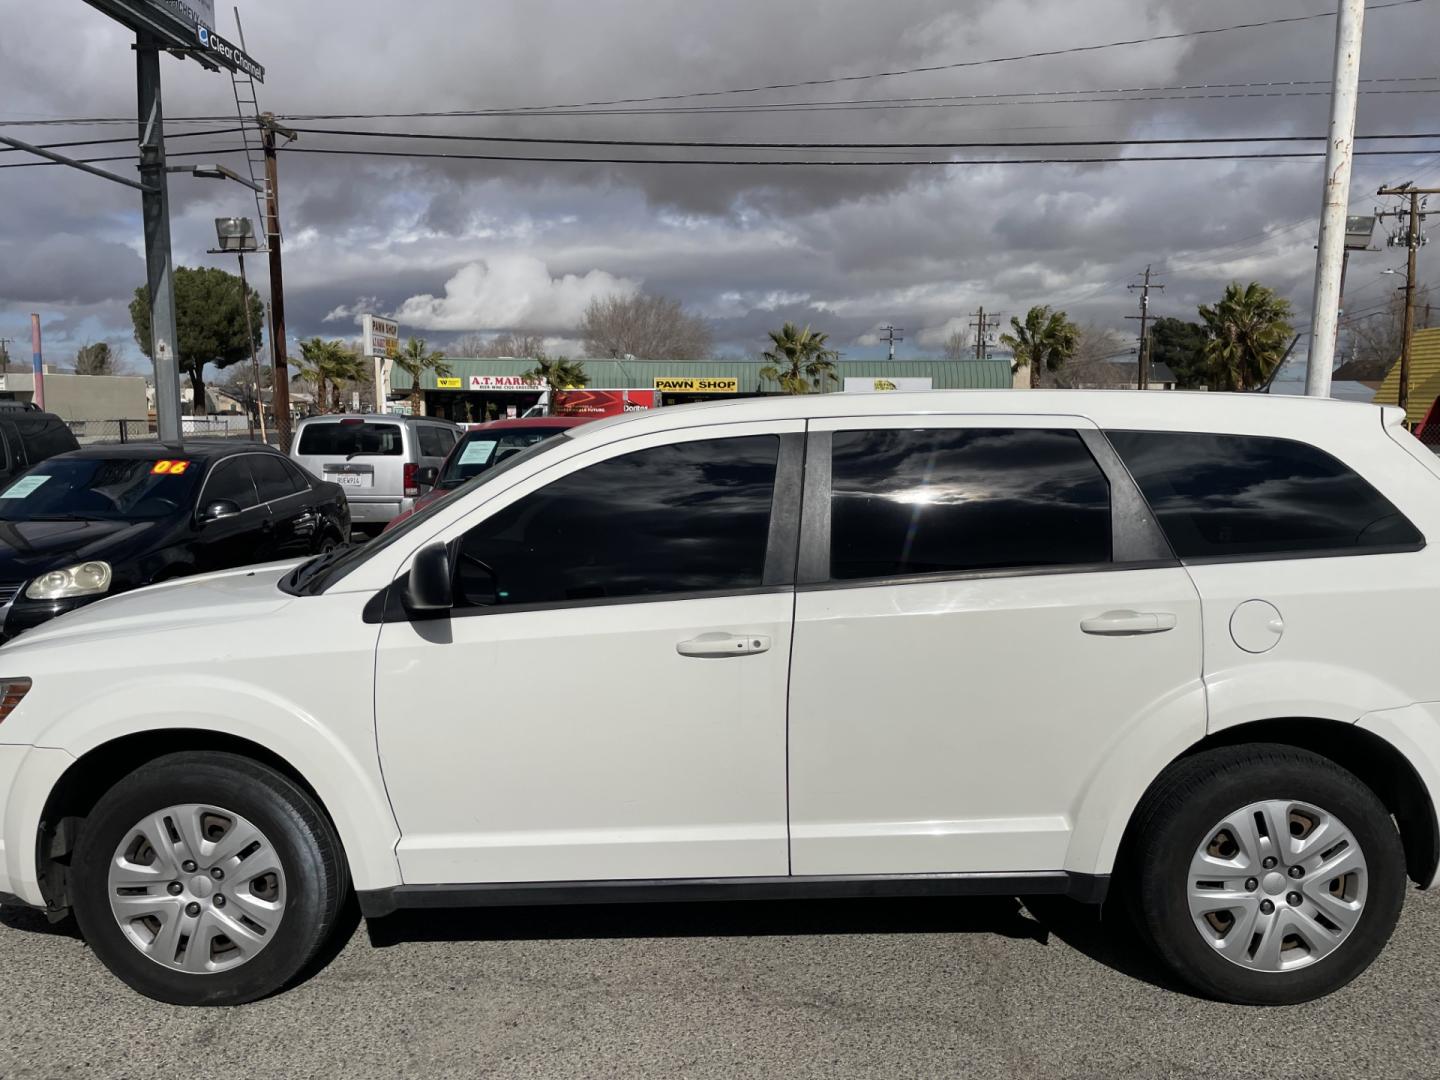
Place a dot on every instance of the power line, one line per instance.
(127, 139)
(554, 160)
(216, 152)
(950, 145)
(960, 64)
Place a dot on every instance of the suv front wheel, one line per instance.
(207, 879)
(1265, 874)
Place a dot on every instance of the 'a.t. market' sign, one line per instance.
(505, 382)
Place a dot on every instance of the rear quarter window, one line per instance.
(1239, 496)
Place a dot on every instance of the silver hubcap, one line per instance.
(197, 888)
(1277, 885)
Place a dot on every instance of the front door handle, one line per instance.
(718, 644)
(1129, 623)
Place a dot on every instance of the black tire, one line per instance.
(1195, 794)
(316, 877)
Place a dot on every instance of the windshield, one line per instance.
(107, 489)
(480, 450)
(350, 438)
(320, 573)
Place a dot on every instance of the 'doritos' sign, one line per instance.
(698, 386)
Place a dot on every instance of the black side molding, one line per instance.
(1086, 888)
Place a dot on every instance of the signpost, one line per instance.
(379, 342)
(185, 27)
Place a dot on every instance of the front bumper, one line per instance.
(27, 776)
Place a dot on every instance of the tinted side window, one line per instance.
(298, 479)
(673, 519)
(230, 481)
(1236, 495)
(272, 479)
(434, 441)
(940, 500)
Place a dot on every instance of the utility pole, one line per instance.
(281, 390)
(1334, 207)
(1142, 368)
(982, 324)
(893, 334)
(159, 276)
(1413, 240)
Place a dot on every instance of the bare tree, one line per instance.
(1373, 339)
(958, 346)
(519, 344)
(1103, 358)
(644, 326)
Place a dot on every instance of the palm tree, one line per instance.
(327, 365)
(415, 360)
(1044, 341)
(1249, 330)
(800, 359)
(558, 372)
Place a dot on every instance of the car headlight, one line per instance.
(83, 579)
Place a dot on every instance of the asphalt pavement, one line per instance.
(980, 988)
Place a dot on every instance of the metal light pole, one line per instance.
(159, 274)
(237, 237)
(1339, 154)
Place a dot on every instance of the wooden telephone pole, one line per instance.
(281, 388)
(1142, 368)
(1413, 240)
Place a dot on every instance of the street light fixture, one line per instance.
(236, 236)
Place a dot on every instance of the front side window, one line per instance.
(958, 500)
(230, 481)
(688, 517)
(1226, 496)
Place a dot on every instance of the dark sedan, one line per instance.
(94, 522)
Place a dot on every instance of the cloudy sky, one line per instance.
(455, 246)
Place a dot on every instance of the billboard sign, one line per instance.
(183, 25)
(449, 382)
(698, 386)
(597, 403)
(886, 386)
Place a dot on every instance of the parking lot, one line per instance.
(912, 988)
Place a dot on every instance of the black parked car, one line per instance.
(29, 436)
(88, 524)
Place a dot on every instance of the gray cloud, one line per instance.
(842, 248)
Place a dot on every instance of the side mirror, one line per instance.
(427, 476)
(428, 588)
(220, 510)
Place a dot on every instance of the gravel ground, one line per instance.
(838, 989)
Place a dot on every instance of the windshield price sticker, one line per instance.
(23, 487)
(170, 468)
(477, 452)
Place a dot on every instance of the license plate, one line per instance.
(351, 479)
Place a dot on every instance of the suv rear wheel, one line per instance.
(1265, 875)
(207, 879)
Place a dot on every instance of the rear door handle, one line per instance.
(719, 644)
(1128, 623)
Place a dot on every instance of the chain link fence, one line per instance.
(88, 432)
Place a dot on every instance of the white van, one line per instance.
(1156, 647)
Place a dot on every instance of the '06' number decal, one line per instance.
(170, 468)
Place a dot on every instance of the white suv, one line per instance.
(947, 643)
